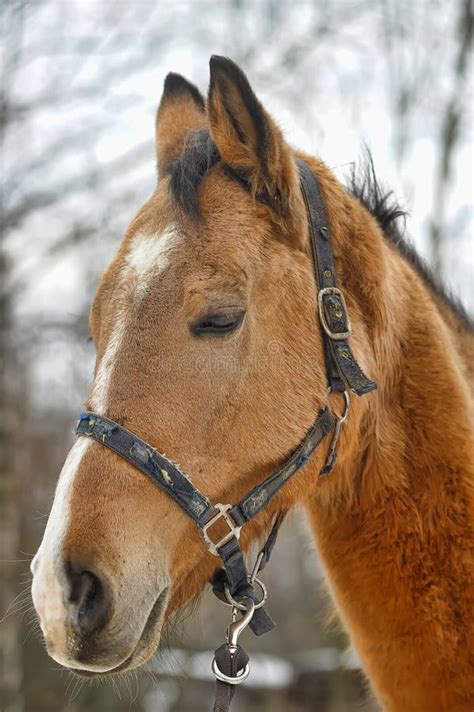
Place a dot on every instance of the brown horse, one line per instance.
(208, 348)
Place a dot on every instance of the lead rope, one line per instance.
(231, 664)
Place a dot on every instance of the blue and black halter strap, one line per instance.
(344, 373)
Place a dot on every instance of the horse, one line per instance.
(208, 350)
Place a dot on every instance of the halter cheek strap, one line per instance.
(342, 368)
(233, 583)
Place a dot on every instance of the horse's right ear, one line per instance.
(181, 110)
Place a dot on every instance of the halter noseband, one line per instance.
(233, 584)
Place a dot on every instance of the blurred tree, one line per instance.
(454, 119)
(10, 407)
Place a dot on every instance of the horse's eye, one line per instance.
(218, 324)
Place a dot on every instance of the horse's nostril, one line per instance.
(88, 601)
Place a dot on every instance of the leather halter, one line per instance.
(344, 374)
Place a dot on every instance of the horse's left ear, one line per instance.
(248, 139)
(181, 111)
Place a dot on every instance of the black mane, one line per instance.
(200, 154)
(391, 217)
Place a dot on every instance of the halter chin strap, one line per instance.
(233, 582)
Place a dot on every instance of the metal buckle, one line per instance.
(234, 531)
(336, 335)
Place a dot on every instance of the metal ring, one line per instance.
(347, 404)
(241, 606)
(237, 680)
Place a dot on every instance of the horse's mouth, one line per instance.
(146, 643)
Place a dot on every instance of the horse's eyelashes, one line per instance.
(217, 324)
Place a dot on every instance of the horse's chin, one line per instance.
(145, 647)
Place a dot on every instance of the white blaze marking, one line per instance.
(57, 521)
(46, 590)
(103, 376)
(148, 255)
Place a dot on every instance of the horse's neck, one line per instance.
(421, 418)
(395, 537)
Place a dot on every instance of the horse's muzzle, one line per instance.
(86, 627)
